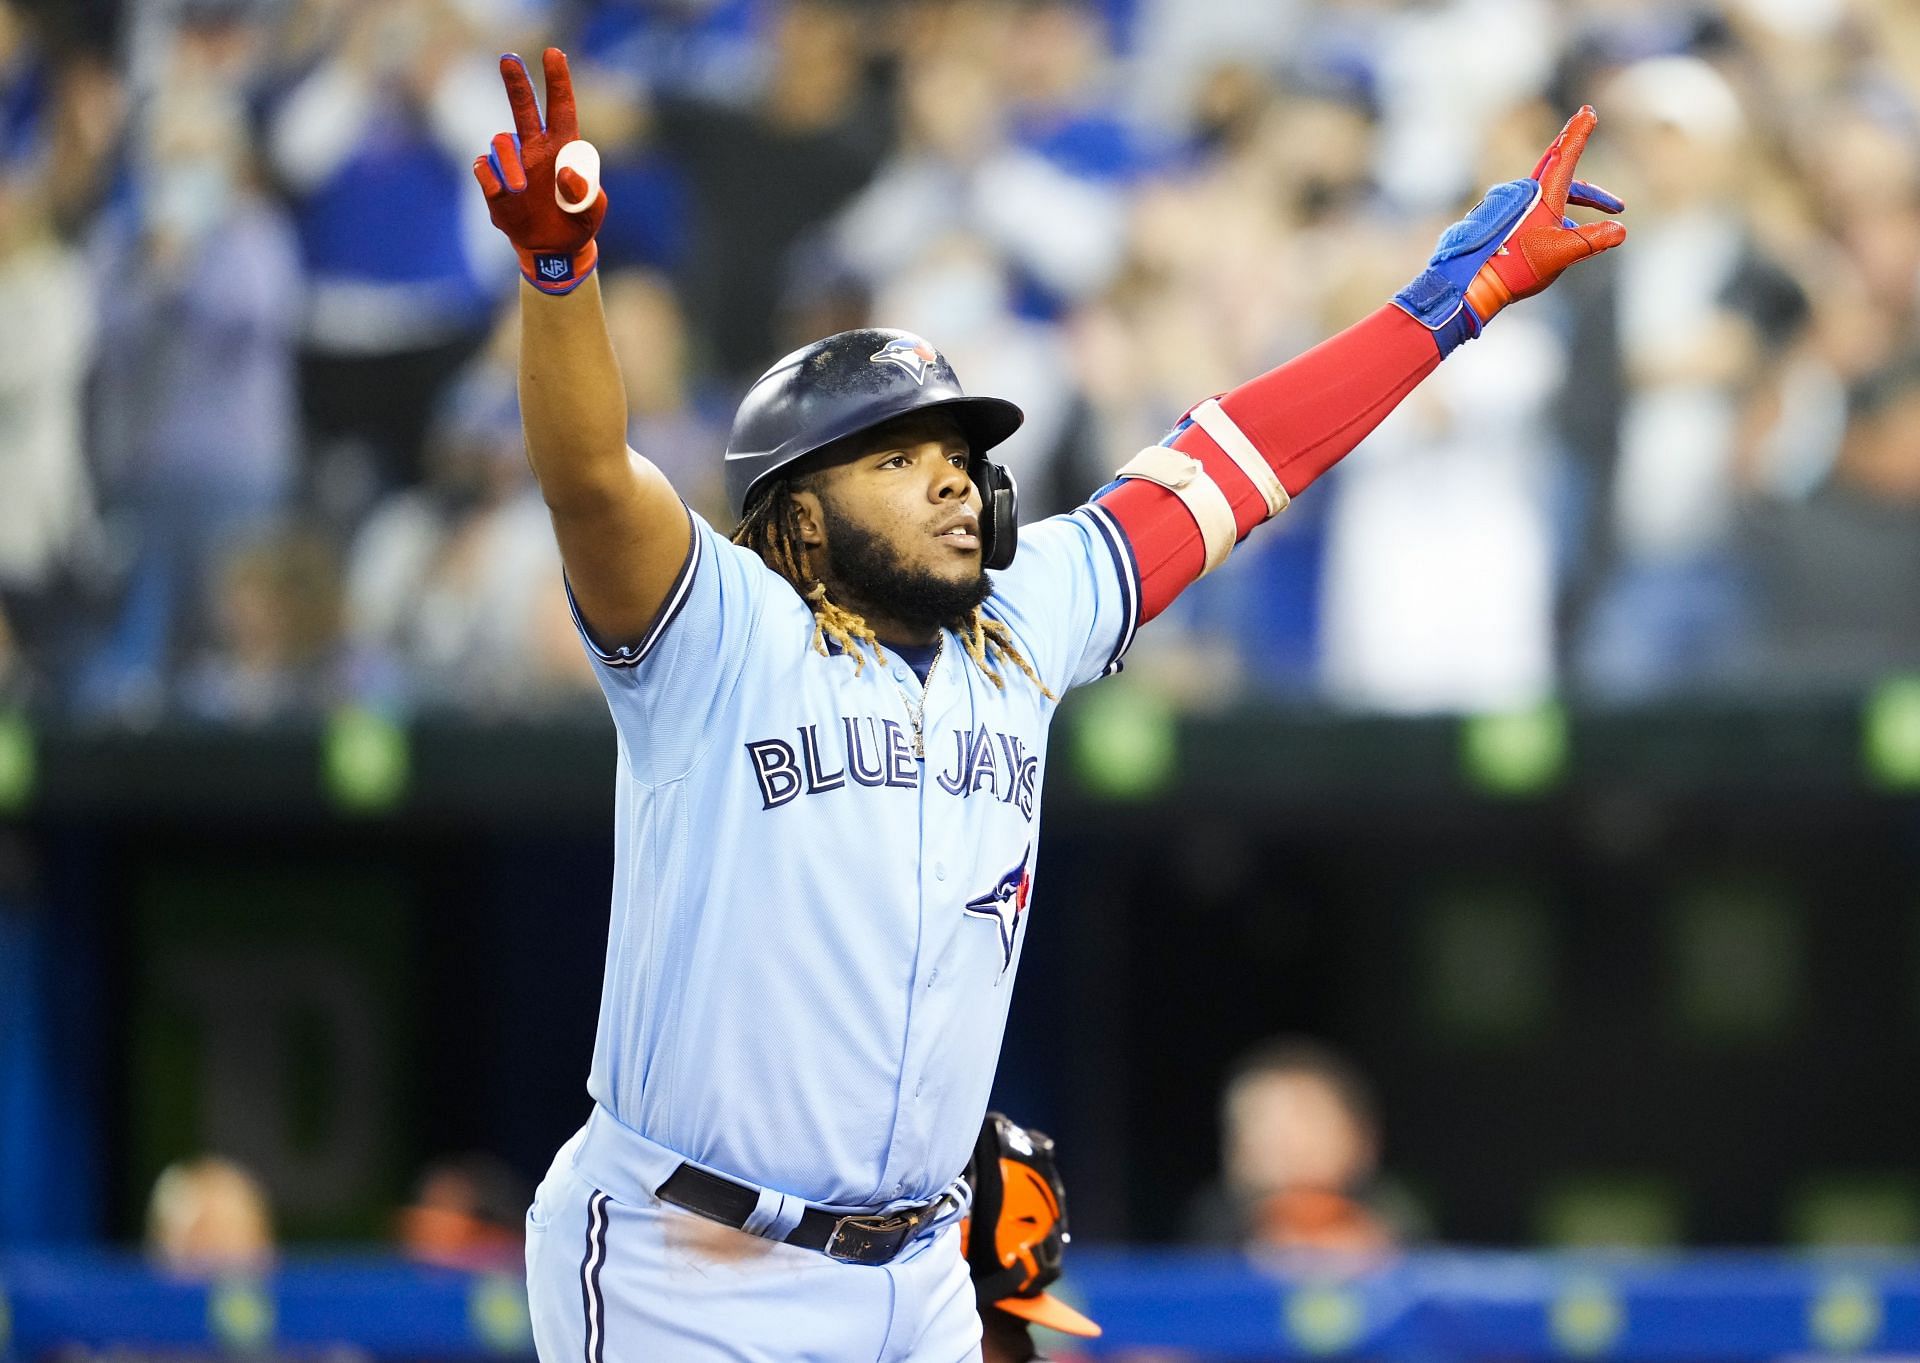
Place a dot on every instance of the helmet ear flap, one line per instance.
(999, 512)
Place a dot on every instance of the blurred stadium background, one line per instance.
(1555, 764)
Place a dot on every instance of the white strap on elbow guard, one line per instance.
(1212, 418)
(1186, 478)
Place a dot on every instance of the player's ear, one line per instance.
(812, 524)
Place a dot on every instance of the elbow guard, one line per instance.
(1184, 503)
(1235, 461)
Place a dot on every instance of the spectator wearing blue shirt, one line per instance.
(1061, 71)
(651, 229)
(708, 50)
(375, 145)
(195, 418)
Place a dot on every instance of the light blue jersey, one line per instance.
(814, 931)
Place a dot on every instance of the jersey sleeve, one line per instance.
(1071, 596)
(665, 690)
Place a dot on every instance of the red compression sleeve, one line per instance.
(1303, 418)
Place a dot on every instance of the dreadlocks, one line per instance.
(771, 528)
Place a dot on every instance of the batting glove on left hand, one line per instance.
(550, 216)
(1515, 242)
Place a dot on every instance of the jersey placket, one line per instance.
(928, 1007)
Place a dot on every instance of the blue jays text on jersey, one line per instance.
(814, 930)
(870, 751)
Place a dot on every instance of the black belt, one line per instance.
(856, 1239)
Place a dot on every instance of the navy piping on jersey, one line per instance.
(631, 655)
(590, 1264)
(1129, 572)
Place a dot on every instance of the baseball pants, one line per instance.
(611, 1282)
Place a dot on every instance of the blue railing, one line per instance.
(1435, 1305)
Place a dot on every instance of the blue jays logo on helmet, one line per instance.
(910, 353)
(1004, 904)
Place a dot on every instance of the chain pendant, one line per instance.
(917, 713)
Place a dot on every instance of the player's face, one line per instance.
(899, 523)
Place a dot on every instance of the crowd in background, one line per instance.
(1299, 1168)
(259, 445)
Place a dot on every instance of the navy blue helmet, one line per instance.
(852, 382)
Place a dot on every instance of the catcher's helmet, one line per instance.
(1021, 1205)
(855, 380)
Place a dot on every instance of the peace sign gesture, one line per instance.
(542, 181)
(1514, 242)
(1559, 243)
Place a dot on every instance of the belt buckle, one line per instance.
(870, 1239)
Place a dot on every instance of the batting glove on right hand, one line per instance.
(1515, 242)
(549, 215)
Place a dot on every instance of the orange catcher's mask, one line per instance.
(1017, 1191)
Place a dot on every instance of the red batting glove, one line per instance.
(1546, 241)
(1513, 243)
(556, 246)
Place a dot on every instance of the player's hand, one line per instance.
(550, 216)
(1515, 242)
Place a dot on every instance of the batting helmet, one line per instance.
(1015, 1233)
(854, 381)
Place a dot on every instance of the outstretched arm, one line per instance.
(623, 532)
(1237, 460)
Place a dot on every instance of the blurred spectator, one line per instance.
(1060, 70)
(1835, 574)
(664, 423)
(375, 144)
(1439, 588)
(1300, 1148)
(274, 646)
(453, 588)
(61, 101)
(763, 174)
(1181, 47)
(710, 50)
(468, 1211)
(958, 171)
(208, 1216)
(223, 43)
(195, 423)
(24, 82)
(47, 521)
(1700, 309)
(650, 228)
(1440, 85)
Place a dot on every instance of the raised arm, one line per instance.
(623, 532)
(1236, 460)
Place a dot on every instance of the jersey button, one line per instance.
(939, 870)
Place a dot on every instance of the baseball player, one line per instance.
(1020, 1212)
(832, 736)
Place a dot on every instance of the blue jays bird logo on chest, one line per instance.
(910, 353)
(1004, 904)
